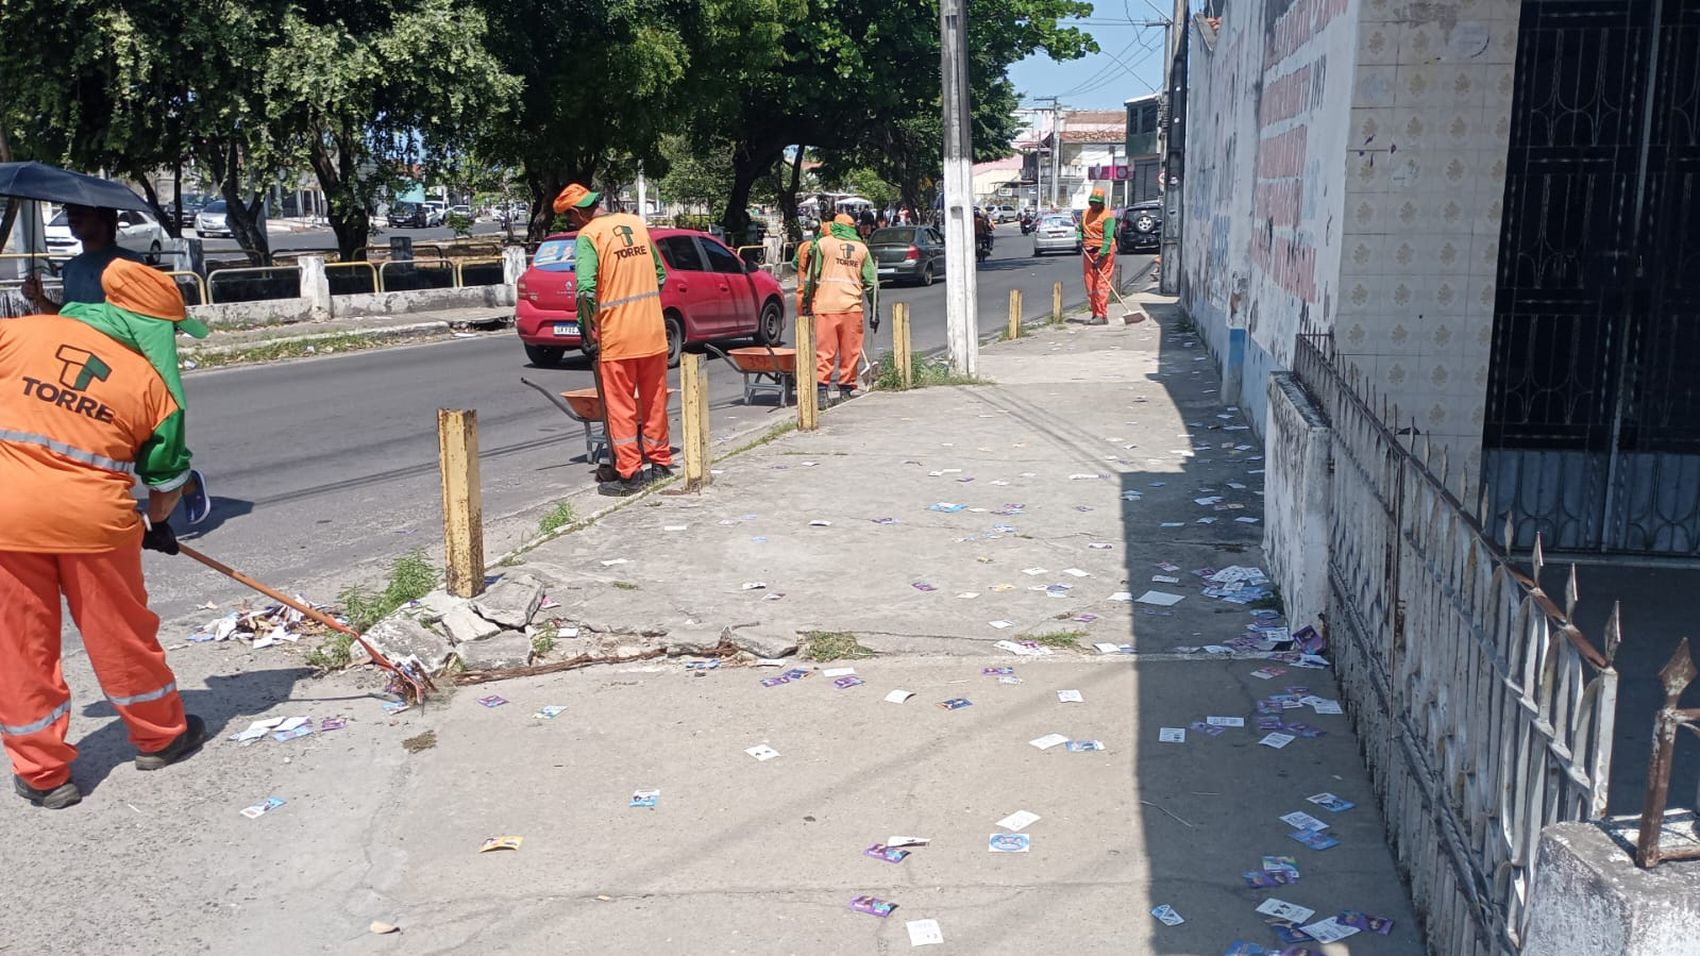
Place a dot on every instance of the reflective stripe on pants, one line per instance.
(104, 591)
(634, 389)
(838, 341)
(1098, 282)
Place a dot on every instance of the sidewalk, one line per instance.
(749, 856)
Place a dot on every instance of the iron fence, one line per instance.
(1483, 712)
(1656, 829)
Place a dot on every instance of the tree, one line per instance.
(370, 91)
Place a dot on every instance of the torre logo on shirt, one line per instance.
(78, 369)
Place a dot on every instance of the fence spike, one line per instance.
(1537, 560)
(1445, 467)
(1464, 487)
(1614, 631)
(1482, 504)
(1677, 673)
(1509, 535)
(1571, 594)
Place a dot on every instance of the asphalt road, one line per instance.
(324, 469)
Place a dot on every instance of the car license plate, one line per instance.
(888, 272)
(566, 329)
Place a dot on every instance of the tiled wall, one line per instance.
(1425, 169)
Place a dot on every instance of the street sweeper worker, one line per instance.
(1097, 233)
(620, 275)
(840, 272)
(90, 401)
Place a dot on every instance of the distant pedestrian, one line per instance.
(96, 227)
(620, 275)
(841, 272)
(1097, 234)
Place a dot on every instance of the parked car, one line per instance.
(212, 221)
(907, 254)
(1140, 227)
(710, 295)
(461, 210)
(137, 231)
(1003, 214)
(406, 215)
(434, 213)
(193, 203)
(1055, 232)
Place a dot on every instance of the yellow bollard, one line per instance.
(1014, 314)
(1056, 304)
(463, 507)
(900, 350)
(808, 409)
(693, 386)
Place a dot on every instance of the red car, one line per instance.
(710, 295)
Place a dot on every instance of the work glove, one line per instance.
(159, 537)
(874, 322)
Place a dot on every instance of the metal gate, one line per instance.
(1592, 430)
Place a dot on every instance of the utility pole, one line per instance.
(1173, 133)
(1056, 152)
(961, 319)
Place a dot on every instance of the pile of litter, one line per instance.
(263, 627)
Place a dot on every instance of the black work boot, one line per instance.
(60, 797)
(606, 472)
(623, 487)
(187, 742)
(660, 472)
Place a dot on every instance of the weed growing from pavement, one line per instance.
(557, 518)
(411, 577)
(275, 351)
(544, 641)
(833, 646)
(1059, 638)
(925, 373)
(1185, 325)
(626, 585)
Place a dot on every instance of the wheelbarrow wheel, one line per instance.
(545, 356)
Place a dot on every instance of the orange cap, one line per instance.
(575, 196)
(134, 287)
(843, 219)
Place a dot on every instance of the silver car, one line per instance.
(1055, 233)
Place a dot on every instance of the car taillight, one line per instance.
(912, 255)
(522, 285)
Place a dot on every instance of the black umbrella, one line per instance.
(32, 180)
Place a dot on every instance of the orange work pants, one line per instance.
(636, 389)
(110, 606)
(838, 341)
(1098, 280)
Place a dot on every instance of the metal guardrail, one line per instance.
(355, 265)
(416, 265)
(460, 270)
(195, 279)
(1650, 851)
(212, 277)
(1484, 714)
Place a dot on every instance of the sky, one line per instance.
(1130, 64)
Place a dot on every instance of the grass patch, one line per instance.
(1185, 325)
(1059, 638)
(1271, 603)
(277, 351)
(833, 646)
(558, 517)
(626, 585)
(544, 641)
(411, 577)
(924, 372)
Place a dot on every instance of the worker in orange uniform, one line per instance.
(620, 276)
(85, 409)
(840, 272)
(1097, 232)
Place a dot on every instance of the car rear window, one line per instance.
(1055, 221)
(555, 255)
(892, 236)
(217, 205)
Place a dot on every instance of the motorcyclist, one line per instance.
(982, 230)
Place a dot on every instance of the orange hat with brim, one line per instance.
(134, 287)
(575, 196)
(843, 219)
(1097, 196)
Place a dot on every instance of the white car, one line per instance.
(137, 232)
(434, 213)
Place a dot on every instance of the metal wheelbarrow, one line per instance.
(766, 370)
(582, 405)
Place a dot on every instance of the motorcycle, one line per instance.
(983, 245)
(1027, 222)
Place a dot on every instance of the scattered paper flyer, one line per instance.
(902, 841)
(1160, 598)
(1171, 735)
(549, 712)
(880, 851)
(492, 700)
(818, 523)
(1164, 579)
(899, 696)
(1034, 571)
(1331, 802)
(924, 932)
(1322, 707)
(1076, 573)
(847, 682)
(259, 810)
(1009, 842)
(1225, 721)
(872, 906)
(1070, 697)
(762, 752)
(837, 671)
(614, 562)
(503, 842)
(1277, 740)
(956, 703)
(1048, 741)
(1329, 930)
(675, 527)
(1018, 821)
(1300, 820)
(1120, 596)
(1000, 625)
(1285, 910)
(1023, 648)
(1167, 915)
(645, 798)
(1314, 839)
(1084, 746)
(752, 586)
